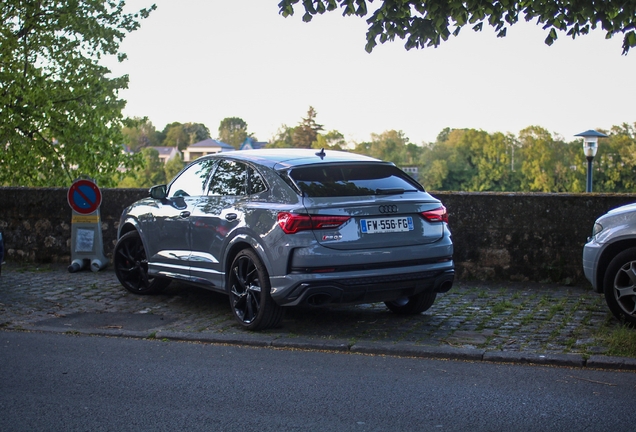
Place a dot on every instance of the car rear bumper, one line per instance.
(369, 287)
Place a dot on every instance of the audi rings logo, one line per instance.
(388, 209)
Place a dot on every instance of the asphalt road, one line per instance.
(53, 382)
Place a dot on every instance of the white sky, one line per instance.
(205, 60)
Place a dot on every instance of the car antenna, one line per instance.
(321, 154)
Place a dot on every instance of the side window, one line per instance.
(230, 178)
(256, 183)
(192, 181)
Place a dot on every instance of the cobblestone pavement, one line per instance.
(526, 322)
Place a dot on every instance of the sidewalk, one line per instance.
(501, 322)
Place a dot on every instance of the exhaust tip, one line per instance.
(444, 285)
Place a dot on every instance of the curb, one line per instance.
(364, 347)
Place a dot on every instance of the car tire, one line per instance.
(249, 291)
(619, 286)
(412, 305)
(131, 266)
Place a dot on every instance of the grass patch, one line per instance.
(544, 301)
(503, 306)
(621, 342)
(32, 268)
(527, 319)
(556, 308)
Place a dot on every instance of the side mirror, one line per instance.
(158, 192)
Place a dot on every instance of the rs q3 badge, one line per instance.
(331, 237)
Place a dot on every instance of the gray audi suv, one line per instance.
(286, 227)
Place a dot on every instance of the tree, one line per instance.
(547, 164)
(614, 164)
(388, 146)
(307, 131)
(332, 140)
(233, 131)
(181, 135)
(196, 132)
(150, 173)
(175, 136)
(428, 23)
(282, 138)
(470, 160)
(140, 133)
(172, 167)
(60, 115)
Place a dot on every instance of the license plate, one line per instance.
(386, 225)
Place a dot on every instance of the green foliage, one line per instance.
(548, 164)
(425, 23)
(150, 173)
(306, 133)
(470, 160)
(390, 145)
(140, 133)
(181, 135)
(332, 140)
(172, 167)
(474, 160)
(60, 115)
(283, 138)
(176, 136)
(616, 159)
(233, 131)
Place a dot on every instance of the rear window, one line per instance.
(352, 180)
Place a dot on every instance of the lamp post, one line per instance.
(590, 146)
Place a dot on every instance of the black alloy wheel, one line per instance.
(412, 305)
(131, 266)
(249, 290)
(620, 286)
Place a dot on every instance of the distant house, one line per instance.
(167, 153)
(206, 147)
(251, 144)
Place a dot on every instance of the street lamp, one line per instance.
(590, 146)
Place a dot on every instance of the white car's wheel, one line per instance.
(620, 286)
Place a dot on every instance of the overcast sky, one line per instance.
(205, 60)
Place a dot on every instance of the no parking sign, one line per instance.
(84, 196)
(87, 247)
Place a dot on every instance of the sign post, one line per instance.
(87, 246)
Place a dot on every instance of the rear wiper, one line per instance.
(393, 191)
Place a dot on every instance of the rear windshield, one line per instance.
(352, 180)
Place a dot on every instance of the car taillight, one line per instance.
(436, 215)
(291, 223)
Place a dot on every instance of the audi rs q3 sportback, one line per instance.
(286, 227)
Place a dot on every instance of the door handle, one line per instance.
(184, 214)
(231, 216)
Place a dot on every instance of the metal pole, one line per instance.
(589, 173)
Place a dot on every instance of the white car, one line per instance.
(609, 260)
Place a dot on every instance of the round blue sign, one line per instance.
(84, 196)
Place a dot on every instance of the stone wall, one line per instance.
(497, 236)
